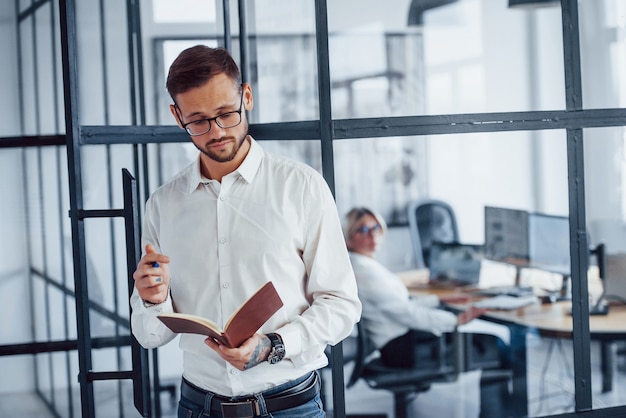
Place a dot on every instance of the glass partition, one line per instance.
(525, 171)
(605, 170)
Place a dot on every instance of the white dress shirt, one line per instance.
(272, 219)
(388, 310)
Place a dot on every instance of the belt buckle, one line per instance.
(243, 409)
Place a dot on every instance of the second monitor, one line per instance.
(528, 239)
(548, 243)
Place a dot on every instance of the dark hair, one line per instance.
(197, 65)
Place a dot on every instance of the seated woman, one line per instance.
(403, 328)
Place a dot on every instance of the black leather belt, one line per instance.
(248, 406)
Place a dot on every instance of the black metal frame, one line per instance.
(573, 120)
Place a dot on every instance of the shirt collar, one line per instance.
(247, 169)
(250, 165)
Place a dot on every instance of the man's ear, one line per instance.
(176, 113)
(248, 99)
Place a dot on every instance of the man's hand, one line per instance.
(249, 354)
(152, 277)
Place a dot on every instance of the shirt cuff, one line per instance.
(292, 339)
(165, 306)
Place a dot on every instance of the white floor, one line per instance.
(550, 386)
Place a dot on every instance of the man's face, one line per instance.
(219, 96)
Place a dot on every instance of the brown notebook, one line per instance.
(240, 326)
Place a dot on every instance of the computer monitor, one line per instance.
(506, 235)
(615, 280)
(455, 262)
(532, 238)
(549, 243)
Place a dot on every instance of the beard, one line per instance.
(224, 158)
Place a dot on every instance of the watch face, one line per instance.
(274, 358)
(278, 350)
(276, 354)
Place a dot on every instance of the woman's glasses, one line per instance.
(367, 229)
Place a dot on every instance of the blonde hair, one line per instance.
(353, 217)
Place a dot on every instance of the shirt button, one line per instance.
(222, 198)
(222, 240)
(226, 285)
(233, 372)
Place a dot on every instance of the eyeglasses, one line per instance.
(367, 229)
(224, 121)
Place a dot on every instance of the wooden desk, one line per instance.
(549, 320)
(554, 320)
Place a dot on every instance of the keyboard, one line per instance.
(514, 291)
(506, 302)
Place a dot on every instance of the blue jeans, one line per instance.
(311, 409)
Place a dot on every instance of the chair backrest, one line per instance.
(430, 220)
(363, 350)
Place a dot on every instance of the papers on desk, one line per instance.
(506, 302)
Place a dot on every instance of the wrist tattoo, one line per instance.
(260, 353)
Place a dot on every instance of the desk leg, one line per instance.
(606, 363)
(518, 362)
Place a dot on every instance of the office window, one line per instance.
(606, 170)
(283, 63)
(184, 11)
(524, 170)
(383, 173)
(454, 61)
(603, 52)
(165, 52)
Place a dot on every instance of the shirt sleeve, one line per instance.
(387, 297)
(414, 315)
(427, 301)
(146, 327)
(434, 320)
(331, 287)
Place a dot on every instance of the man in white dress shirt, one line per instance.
(228, 223)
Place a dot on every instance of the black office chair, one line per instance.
(403, 383)
(430, 220)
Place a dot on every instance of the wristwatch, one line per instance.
(277, 352)
(148, 304)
